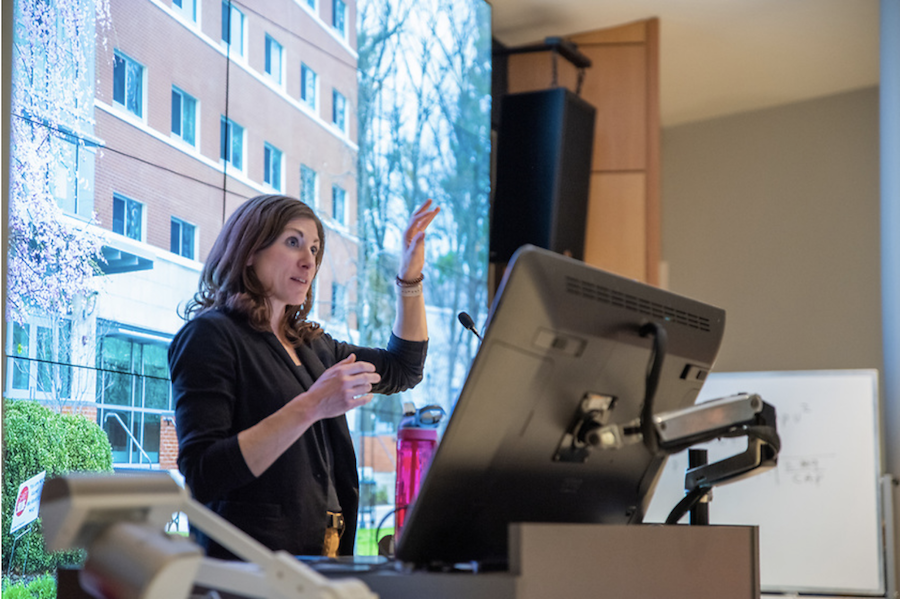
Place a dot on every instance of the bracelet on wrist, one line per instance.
(404, 283)
(410, 290)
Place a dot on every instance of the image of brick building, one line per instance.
(197, 105)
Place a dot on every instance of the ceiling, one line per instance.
(720, 57)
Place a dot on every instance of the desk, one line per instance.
(583, 561)
(619, 562)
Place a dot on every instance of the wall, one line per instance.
(774, 216)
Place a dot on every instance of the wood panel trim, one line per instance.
(654, 169)
(635, 32)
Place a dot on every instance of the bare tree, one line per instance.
(424, 132)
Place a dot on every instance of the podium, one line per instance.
(596, 560)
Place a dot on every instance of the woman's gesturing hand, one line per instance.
(344, 386)
(413, 258)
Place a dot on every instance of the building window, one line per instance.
(20, 347)
(338, 204)
(272, 166)
(188, 8)
(308, 183)
(133, 395)
(338, 301)
(339, 110)
(72, 175)
(233, 28)
(339, 19)
(183, 238)
(184, 116)
(308, 86)
(311, 4)
(39, 358)
(128, 84)
(128, 217)
(232, 144)
(273, 59)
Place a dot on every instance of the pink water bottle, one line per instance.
(416, 441)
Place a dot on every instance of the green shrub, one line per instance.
(37, 439)
(16, 591)
(43, 587)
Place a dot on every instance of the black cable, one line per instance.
(654, 370)
(106, 148)
(685, 505)
(383, 520)
(229, 127)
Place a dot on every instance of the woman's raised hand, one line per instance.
(413, 257)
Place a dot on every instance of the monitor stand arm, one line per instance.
(741, 415)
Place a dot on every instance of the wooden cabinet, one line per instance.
(623, 223)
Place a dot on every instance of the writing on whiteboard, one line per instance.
(793, 417)
(803, 470)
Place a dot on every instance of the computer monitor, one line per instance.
(558, 331)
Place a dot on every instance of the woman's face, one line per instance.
(287, 268)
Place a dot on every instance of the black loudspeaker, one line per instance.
(543, 171)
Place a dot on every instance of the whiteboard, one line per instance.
(819, 511)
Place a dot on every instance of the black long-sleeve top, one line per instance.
(227, 377)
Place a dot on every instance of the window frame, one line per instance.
(241, 50)
(196, 120)
(137, 389)
(72, 176)
(226, 151)
(273, 166)
(338, 301)
(339, 110)
(339, 209)
(339, 17)
(120, 197)
(123, 104)
(174, 220)
(315, 186)
(273, 73)
(58, 367)
(310, 99)
(194, 16)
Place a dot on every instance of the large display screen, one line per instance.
(138, 126)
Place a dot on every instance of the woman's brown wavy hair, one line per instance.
(227, 281)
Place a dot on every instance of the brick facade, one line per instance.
(174, 179)
(168, 445)
(88, 410)
(379, 452)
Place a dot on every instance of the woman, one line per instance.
(261, 393)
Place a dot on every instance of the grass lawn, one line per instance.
(366, 543)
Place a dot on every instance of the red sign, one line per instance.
(28, 502)
(22, 501)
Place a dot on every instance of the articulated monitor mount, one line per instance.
(742, 415)
(119, 520)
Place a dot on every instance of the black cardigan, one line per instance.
(226, 377)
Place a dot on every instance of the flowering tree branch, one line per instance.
(51, 260)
